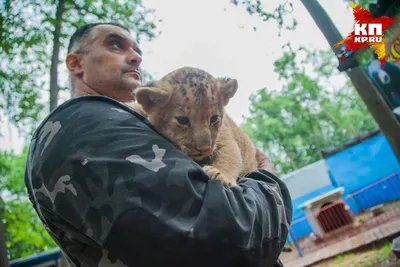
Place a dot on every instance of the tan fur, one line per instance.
(195, 94)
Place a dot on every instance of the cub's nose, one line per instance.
(203, 149)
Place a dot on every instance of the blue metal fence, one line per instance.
(43, 259)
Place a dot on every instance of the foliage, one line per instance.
(31, 32)
(25, 233)
(34, 36)
(12, 172)
(307, 114)
(361, 3)
(279, 14)
(18, 81)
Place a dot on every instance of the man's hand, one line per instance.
(265, 162)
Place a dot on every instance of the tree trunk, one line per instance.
(54, 88)
(374, 101)
(3, 248)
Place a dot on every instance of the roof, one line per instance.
(352, 142)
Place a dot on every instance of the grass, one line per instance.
(378, 253)
(368, 256)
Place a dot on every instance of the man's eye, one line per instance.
(214, 119)
(183, 120)
(116, 44)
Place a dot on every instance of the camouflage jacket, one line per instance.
(111, 191)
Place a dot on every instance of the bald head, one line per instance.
(82, 38)
(104, 59)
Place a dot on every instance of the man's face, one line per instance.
(111, 67)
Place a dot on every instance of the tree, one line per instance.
(279, 14)
(373, 100)
(307, 114)
(33, 37)
(25, 234)
(18, 81)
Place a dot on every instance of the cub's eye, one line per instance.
(182, 120)
(214, 119)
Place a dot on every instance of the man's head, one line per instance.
(104, 59)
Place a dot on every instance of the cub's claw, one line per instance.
(214, 173)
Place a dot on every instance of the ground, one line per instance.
(368, 227)
(374, 255)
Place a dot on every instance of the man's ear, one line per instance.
(74, 63)
(150, 97)
(227, 88)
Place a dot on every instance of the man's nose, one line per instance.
(134, 58)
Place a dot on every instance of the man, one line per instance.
(113, 192)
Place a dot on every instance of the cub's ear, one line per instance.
(228, 88)
(150, 97)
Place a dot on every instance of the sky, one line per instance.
(218, 37)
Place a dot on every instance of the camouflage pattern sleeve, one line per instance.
(113, 192)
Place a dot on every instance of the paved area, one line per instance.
(377, 233)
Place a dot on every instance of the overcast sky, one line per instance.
(218, 37)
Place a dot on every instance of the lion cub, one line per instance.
(187, 106)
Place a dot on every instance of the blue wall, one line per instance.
(353, 169)
(385, 191)
(364, 164)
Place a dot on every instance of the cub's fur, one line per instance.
(187, 105)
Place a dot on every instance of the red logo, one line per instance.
(368, 31)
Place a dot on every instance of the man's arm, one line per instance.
(102, 177)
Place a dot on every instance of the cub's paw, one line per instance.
(215, 173)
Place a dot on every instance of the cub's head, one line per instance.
(187, 105)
